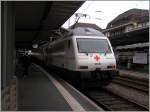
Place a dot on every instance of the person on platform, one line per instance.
(26, 62)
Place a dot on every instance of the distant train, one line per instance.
(81, 50)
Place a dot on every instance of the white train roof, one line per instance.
(85, 31)
(79, 31)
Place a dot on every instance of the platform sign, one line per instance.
(140, 58)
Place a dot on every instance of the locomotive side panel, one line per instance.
(57, 54)
(61, 54)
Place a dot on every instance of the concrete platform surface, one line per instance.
(40, 91)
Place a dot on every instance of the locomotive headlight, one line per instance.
(113, 66)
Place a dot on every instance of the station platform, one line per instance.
(135, 74)
(41, 91)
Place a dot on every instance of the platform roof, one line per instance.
(36, 20)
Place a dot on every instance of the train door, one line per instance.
(69, 54)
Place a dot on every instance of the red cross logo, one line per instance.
(97, 57)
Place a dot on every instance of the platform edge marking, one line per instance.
(74, 104)
(85, 97)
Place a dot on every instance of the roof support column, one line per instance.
(7, 42)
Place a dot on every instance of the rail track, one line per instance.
(139, 84)
(111, 102)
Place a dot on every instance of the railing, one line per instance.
(128, 27)
(137, 28)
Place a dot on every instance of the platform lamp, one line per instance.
(35, 45)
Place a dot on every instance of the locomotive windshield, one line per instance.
(88, 45)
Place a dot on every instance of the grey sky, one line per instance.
(108, 11)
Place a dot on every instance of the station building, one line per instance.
(129, 35)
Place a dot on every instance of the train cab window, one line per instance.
(86, 45)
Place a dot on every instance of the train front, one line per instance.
(94, 54)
